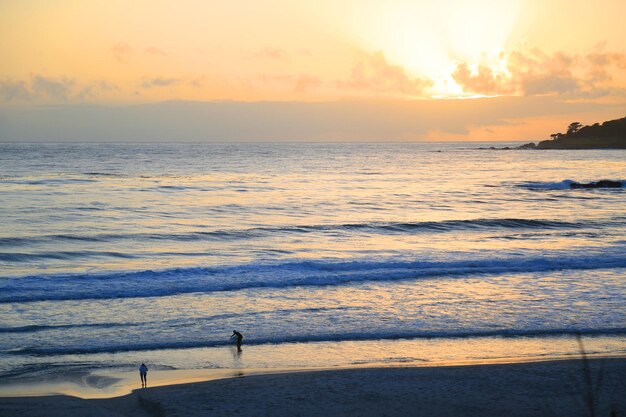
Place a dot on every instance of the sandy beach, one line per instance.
(556, 388)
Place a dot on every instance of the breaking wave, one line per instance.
(331, 337)
(159, 283)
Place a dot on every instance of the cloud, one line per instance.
(601, 64)
(549, 83)
(153, 50)
(372, 73)
(275, 54)
(298, 83)
(121, 52)
(147, 83)
(306, 82)
(482, 81)
(38, 87)
(54, 88)
(15, 90)
(196, 83)
(534, 72)
(93, 88)
(304, 52)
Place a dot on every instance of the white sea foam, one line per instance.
(159, 283)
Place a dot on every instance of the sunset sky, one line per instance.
(308, 70)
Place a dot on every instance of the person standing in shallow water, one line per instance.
(143, 374)
(239, 337)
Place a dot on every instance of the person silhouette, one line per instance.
(239, 337)
(143, 374)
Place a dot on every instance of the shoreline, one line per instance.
(108, 384)
(110, 375)
(549, 387)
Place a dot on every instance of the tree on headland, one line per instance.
(573, 127)
(608, 135)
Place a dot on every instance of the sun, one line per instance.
(429, 39)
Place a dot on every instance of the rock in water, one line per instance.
(598, 184)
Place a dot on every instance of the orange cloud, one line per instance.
(153, 50)
(298, 83)
(372, 73)
(121, 52)
(158, 82)
(305, 83)
(534, 72)
(484, 81)
(276, 54)
(601, 64)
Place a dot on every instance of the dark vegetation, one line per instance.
(608, 135)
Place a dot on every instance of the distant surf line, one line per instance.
(260, 232)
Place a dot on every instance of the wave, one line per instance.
(343, 337)
(27, 257)
(34, 328)
(91, 177)
(259, 232)
(562, 185)
(159, 283)
(105, 174)
(47, 181)
(38, 328)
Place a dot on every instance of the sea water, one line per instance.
(320, 254)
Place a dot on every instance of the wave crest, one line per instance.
(174, 281)
(260, 232)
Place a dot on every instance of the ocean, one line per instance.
(320, 254)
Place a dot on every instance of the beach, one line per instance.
(551, 388)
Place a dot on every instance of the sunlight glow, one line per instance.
(431, 38)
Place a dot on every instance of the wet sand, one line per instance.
(555, 388)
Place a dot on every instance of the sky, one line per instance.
(278, 70)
